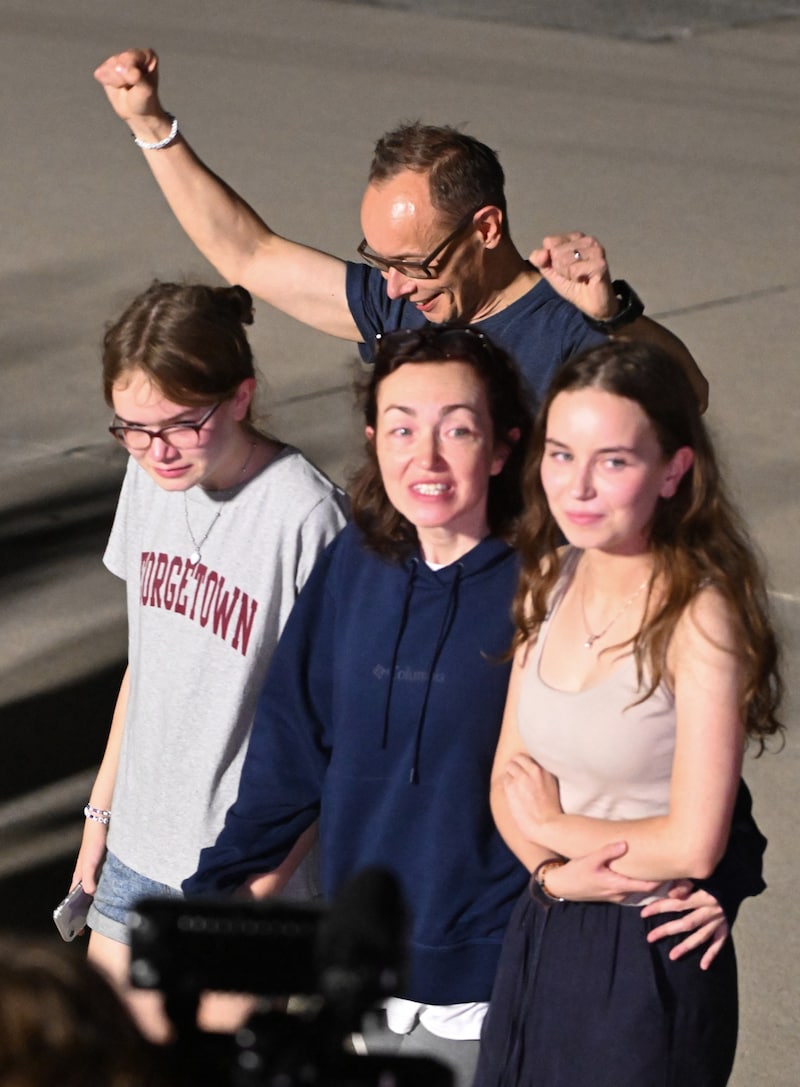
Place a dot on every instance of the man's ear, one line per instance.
(489, 221)
(677, 467)
(369, 431)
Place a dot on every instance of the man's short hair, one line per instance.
(464, 174)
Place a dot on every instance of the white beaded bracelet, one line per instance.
(160, 144)
(97, 815)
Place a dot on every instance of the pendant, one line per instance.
(194, 558)
(590, 641)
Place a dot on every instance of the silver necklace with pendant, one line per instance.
(197, 554)
(592, 638)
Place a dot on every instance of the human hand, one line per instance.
(90, 856)
(261, 885)
(703, 920)
(532, 794)
(592, 879)
(574, 264)
(130, 80)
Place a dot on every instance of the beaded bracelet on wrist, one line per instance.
(97, 815)
(159, 145)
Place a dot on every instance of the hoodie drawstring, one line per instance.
(401, 630)
(447, 622)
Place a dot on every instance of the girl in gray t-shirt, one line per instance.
(217, 528)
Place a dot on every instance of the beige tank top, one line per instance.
(613, 759)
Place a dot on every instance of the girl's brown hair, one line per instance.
(189, 339)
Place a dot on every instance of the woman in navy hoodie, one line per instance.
(382, 707)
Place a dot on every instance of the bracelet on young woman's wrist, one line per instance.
(97, 815)
(538, 884)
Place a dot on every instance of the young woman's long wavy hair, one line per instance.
(697, 537)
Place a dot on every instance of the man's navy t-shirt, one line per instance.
(540, 330)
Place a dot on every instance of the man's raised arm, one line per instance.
(305, 283)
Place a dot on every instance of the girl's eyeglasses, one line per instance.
(179, 435)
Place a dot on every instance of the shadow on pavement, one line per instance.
(75, 521)
(53, 742)
(57, 698)
(57, 733)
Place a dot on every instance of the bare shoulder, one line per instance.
(706, 632)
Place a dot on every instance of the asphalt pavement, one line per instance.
(669, 131)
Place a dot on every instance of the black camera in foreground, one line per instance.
(335, 962)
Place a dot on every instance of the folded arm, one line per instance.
(583, 878)
(690, 838)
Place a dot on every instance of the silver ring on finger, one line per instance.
(577, 254)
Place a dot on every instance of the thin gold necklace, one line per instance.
(592, 638)
(197, 554)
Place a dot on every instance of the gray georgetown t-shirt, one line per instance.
(201, 635)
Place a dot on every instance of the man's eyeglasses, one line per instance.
(178, 435)
(415, 269)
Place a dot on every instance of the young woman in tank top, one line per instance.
(644, 661)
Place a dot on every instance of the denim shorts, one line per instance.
(118, 890)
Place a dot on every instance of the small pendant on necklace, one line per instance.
(194, 558)
(590, 641)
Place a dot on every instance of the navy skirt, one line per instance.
(582, 1000)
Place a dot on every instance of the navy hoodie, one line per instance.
(380, 716)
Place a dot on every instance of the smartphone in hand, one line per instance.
(70, 914)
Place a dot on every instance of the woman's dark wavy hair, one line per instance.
(189, 339)
(388, 532)
(697, 536)
(464, 174)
